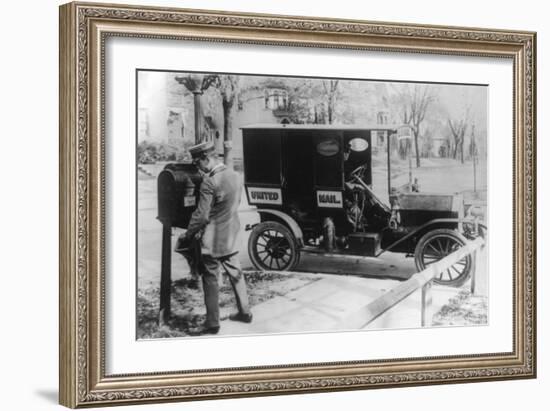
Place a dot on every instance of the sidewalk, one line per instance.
(322, 305)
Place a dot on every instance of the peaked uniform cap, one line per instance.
(201, 149)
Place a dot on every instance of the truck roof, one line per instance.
(359, 127)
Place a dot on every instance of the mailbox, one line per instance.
(178, 193)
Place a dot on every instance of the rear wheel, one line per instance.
(272, 247)
(437, 244)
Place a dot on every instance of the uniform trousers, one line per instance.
(210, 268)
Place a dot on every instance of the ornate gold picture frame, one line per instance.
(85, 28)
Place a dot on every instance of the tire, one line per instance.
(273, 247)
(437, 244)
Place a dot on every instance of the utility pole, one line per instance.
(410, 166)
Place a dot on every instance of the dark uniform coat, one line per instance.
(217, 212)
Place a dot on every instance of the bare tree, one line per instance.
(301, 92)
(458, 130)
(415, 101)
(228, 86)
(313, 101)
(331, 92)
(472, 149)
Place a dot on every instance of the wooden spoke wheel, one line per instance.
(272, 247)
(437, 244)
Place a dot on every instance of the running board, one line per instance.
(315, 250)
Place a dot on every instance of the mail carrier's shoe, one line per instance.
(242, 317)
(203, 330)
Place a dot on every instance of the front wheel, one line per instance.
(437, 244)
(271, 246)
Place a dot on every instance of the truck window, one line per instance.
(262, 156)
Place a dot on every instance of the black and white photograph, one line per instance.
(271, 204)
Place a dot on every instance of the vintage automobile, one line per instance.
(312, 186)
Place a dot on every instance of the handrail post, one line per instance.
(474, 273)
(479, 278)
(427, 305)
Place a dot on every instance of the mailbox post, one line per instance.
(177, 193)
(165, 274)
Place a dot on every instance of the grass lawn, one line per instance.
(188, 310)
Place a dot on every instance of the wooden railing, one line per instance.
(423, 279)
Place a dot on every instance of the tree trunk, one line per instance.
(330, 108)
(331, 99)
(198, 116)
(227, 133)
(416, 148)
